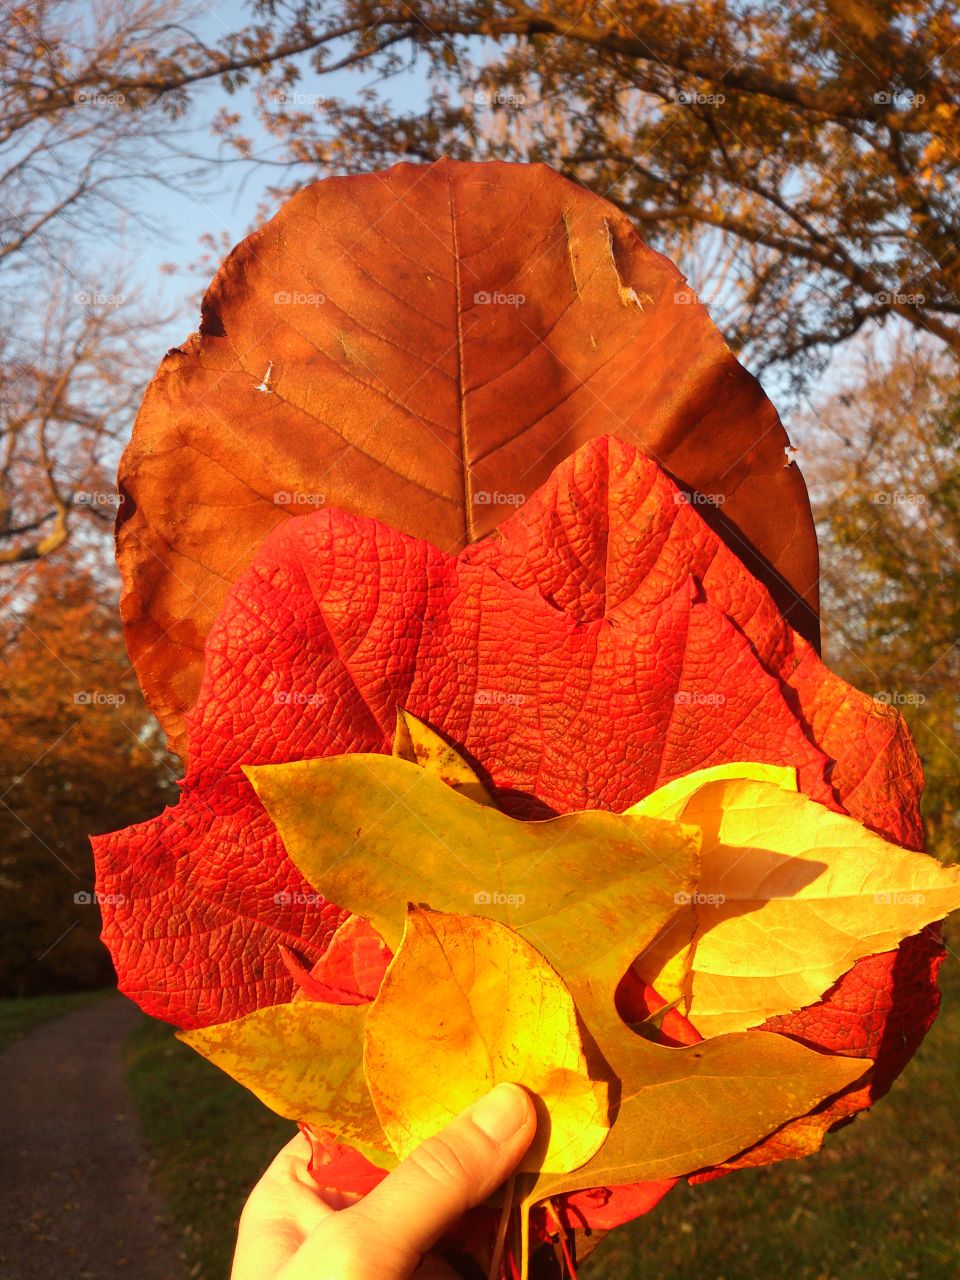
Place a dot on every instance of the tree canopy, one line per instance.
(820, 140)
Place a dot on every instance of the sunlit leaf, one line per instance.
(304, 1061)
(465, 1005)
(588, 890)
(790, 897)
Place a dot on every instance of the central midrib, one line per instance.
(462, 405)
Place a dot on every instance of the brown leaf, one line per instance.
(424, 345)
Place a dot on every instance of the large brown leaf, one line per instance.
(347, 355)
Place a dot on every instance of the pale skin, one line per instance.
(288, 1232)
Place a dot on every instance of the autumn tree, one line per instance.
(80, 753)
(77, 343)
(885, 478)
(71, 375)
(821, 140)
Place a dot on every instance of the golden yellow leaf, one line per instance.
(373, 832)
(664, 962)
(791, 895)
(680, 1109)
(305, 1061)
(465, 1005)
(670, 801)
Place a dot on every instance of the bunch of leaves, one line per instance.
(467, 1001)
(602, 643)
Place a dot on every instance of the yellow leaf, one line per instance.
(790, 897)
(305, 1061)
(683, 1109)
(423, 746)
(670, 801)
(664, 963)
(372, 832)
(465, 1005)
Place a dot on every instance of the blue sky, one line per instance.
(226, 200)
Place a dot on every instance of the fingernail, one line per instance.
(502, 1113)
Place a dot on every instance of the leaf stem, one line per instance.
(508, 1201)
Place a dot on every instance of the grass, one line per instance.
(18, 1017)
(209, 1140)
(881, 1202)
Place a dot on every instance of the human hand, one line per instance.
(288, 1232)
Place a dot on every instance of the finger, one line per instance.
(281, 1212)
(384, 1236)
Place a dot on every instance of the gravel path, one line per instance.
(75, 1201)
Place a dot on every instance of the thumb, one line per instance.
(384, 1236)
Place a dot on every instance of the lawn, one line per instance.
(18, 1017)
(210, 1140)
(881, 1202)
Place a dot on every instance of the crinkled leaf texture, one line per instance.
(362, 348)
(602, 643)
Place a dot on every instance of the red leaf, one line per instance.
(605, 537)
(341, 1174)
(349, 971)
(340, 620)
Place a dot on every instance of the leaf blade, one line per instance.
(488, 1009)
(304, 1061)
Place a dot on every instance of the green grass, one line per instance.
(209, 1139)
(881, 1202)
(21, 1016)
